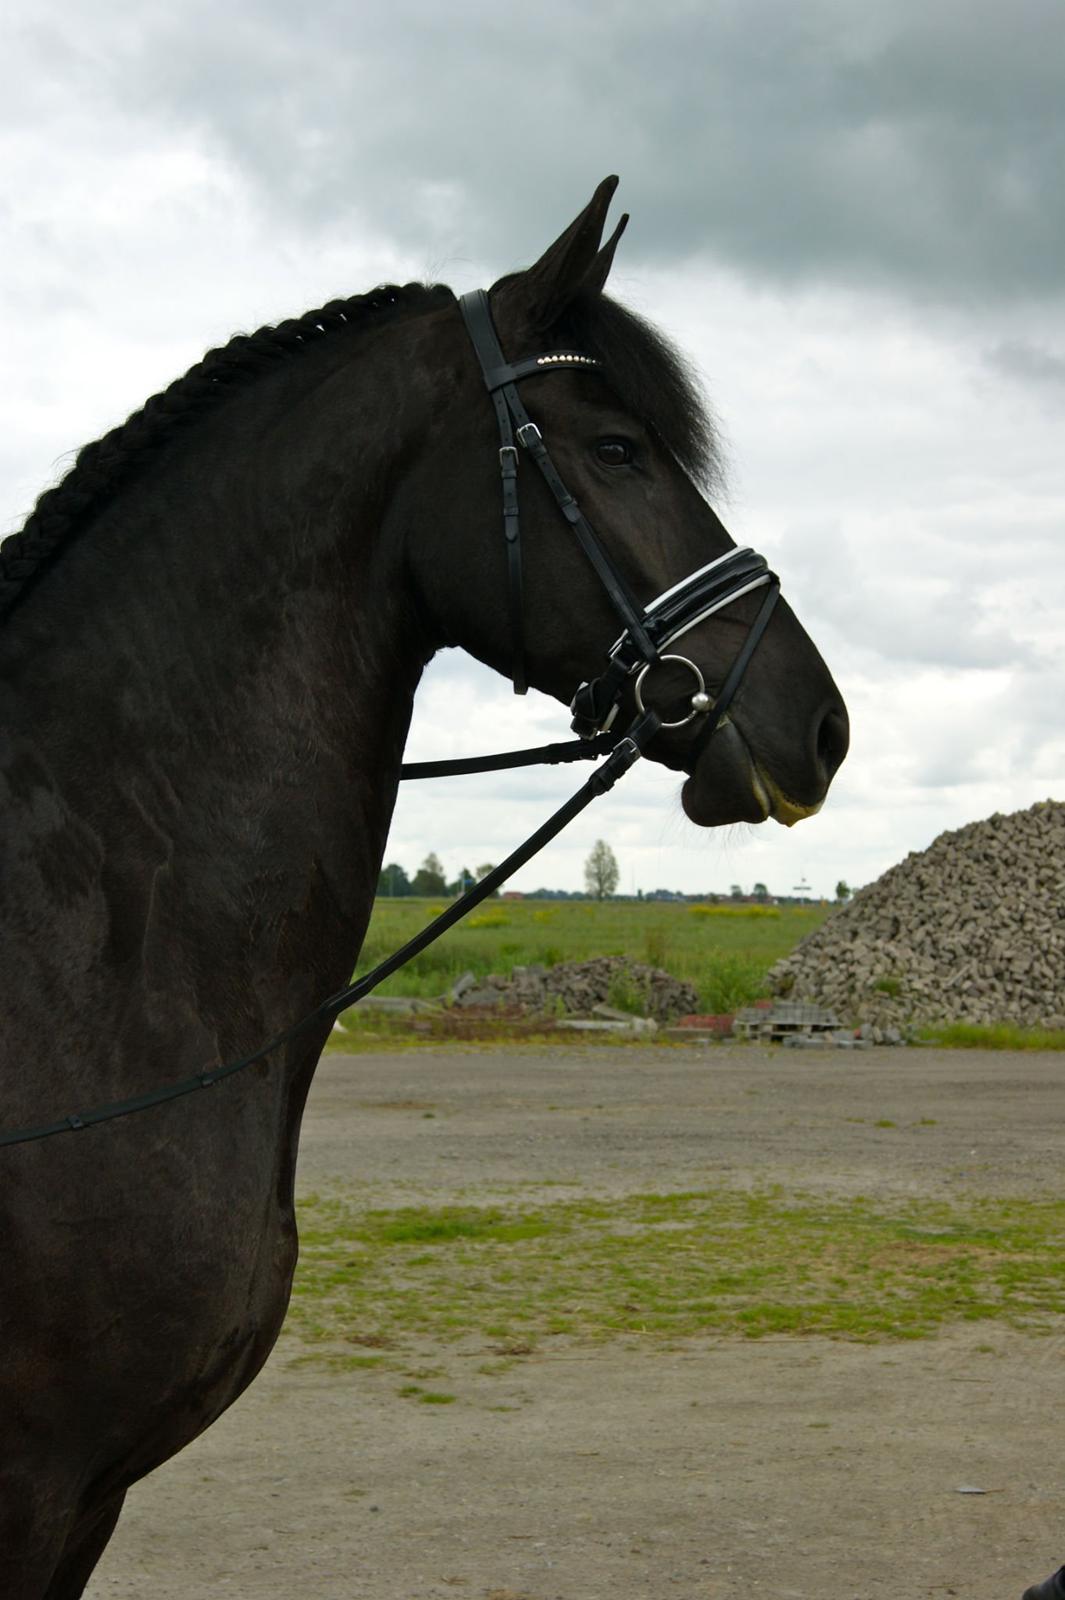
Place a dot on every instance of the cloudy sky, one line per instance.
(852, 217)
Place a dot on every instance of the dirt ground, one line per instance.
(716, 1469)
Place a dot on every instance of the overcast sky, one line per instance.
(851, 217)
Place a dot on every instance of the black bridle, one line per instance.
(648, 631)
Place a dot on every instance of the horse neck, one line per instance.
(214, 686)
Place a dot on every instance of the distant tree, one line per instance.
(429, 878)
(482, 872)
(393, 880)
(760, 892)
(843, 890)
(464, 881)
(736, 892)
(601, 870)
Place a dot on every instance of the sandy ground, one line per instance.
(714, 1470)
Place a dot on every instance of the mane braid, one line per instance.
(101, 467)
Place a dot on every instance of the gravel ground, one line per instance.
(715, 1469)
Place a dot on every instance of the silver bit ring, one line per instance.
(700, 701)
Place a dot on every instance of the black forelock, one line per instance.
(651, 379)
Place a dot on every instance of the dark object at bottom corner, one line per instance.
(1052, 1588)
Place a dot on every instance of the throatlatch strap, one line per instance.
(538, 755)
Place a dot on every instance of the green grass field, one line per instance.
(725, 951)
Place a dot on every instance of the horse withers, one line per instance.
(213, 629)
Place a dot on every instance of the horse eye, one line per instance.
(614, 452)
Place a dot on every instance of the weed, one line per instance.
(626, 994)
(730, 981)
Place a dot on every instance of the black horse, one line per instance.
(215, 626)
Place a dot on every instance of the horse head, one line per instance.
(631, 445)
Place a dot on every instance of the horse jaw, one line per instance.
(728, 785)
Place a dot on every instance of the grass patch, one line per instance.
(993, 1036)
(426, 1397)
(424, 1226)
(338, 1361)
(377, 1031)
(665, 1266)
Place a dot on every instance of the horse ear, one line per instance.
(599, 270)
(575, 261)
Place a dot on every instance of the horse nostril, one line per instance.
(833, 737)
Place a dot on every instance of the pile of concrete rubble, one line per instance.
(579, 988)
(970, 930)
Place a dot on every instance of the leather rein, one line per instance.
(648, 632)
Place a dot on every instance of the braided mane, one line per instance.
(102, 466)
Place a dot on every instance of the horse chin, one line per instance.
(728, 785)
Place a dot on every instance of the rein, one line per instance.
(647, 633)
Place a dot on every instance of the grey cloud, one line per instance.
(1028, 363)
(913, 146)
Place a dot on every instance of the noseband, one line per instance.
(649, 630)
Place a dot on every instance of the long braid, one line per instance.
(100, 467)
